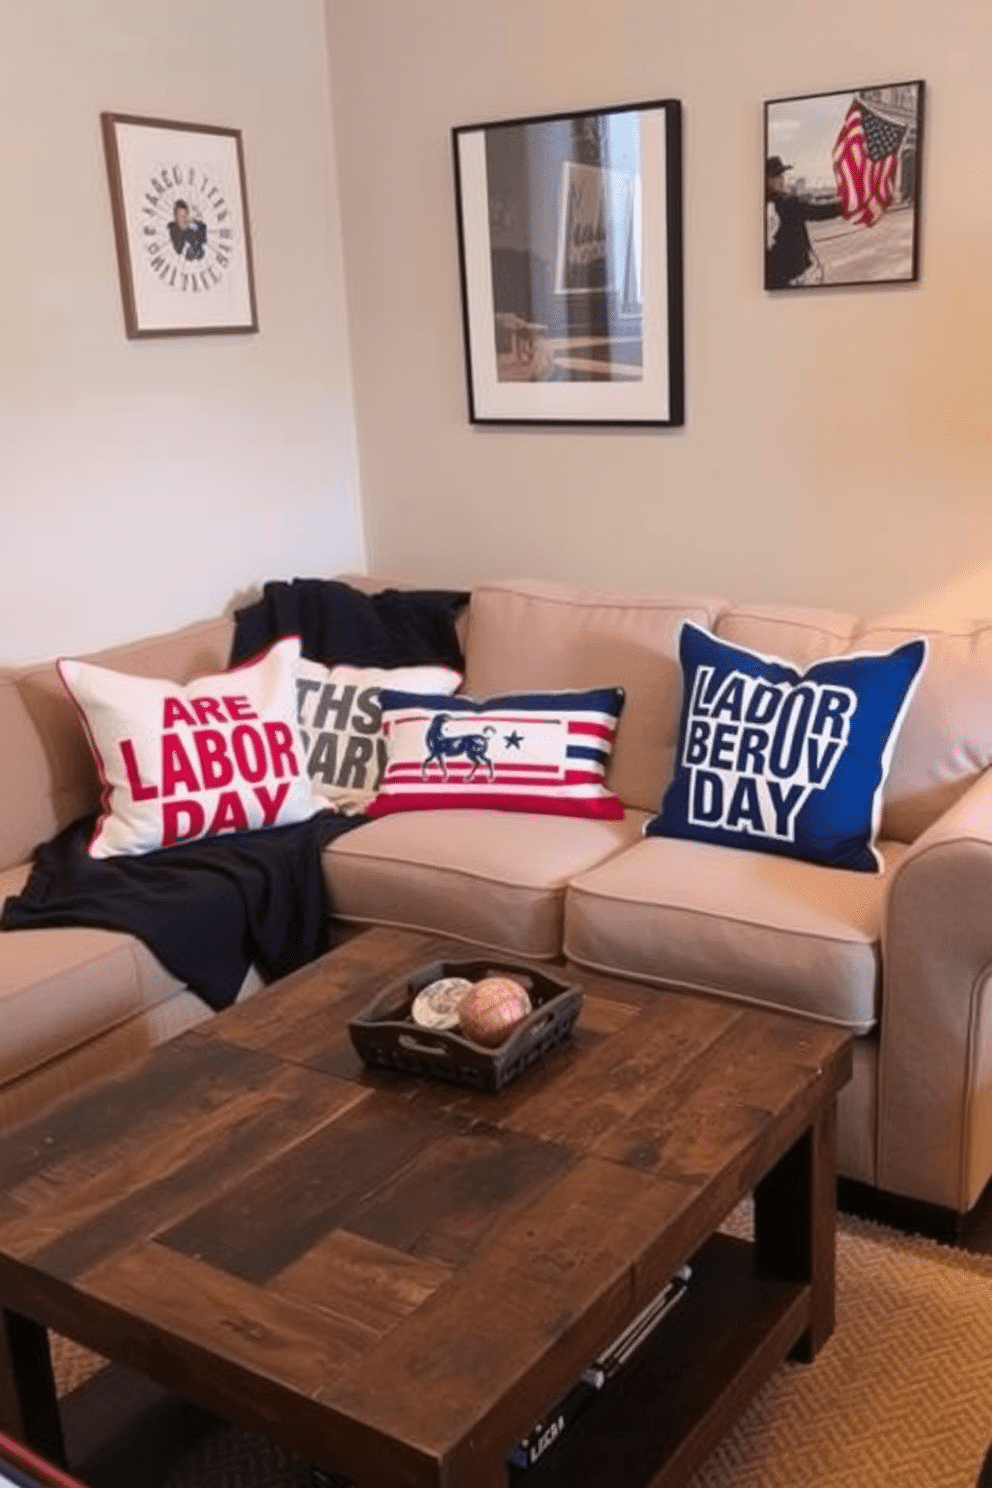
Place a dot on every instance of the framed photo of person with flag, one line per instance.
(842, 187)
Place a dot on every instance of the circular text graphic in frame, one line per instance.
(188, 230)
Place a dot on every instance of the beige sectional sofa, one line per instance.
(903, 958)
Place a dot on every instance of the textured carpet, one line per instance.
(901, 1396)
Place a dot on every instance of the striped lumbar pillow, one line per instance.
(531, 751)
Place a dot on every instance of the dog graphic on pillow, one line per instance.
(442, 747)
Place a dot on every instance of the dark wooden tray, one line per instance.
(386, 1036)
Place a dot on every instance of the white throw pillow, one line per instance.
(221, 754)
(340, 718)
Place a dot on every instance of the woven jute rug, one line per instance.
(901, 1396)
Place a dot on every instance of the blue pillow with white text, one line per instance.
(774, 759)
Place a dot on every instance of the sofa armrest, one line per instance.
(934, 1134)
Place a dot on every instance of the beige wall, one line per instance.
(145, 483)
(838, 445)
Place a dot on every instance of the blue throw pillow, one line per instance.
(777, 760)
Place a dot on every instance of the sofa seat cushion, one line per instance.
(778, 932)
(496, 878)
(61, 987)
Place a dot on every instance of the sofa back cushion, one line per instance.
(48, 777)
(526, 636)
(795, 633)
(946, 737)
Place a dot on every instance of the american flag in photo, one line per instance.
(866, 158)
(522, 752)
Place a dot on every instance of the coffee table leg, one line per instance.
(795, 1213)
(29, 1409)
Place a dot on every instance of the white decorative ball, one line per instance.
(436, 1005)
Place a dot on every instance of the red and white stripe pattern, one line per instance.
(538, 752)
(866, 158)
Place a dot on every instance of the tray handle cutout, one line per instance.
(409, 1042)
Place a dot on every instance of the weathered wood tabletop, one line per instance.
(397, 1276)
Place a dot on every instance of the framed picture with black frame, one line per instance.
(570, 251)
(842, 187)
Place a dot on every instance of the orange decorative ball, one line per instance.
(492, 1009)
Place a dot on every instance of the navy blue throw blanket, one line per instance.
(338, 624)
(208, 909)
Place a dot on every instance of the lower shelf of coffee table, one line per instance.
(657, 1421)
(650, 1428)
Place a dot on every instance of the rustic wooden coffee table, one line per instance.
(396, 1276)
